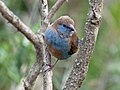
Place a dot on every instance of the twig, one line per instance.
(54, 9)
(15, 21)
(80, 67)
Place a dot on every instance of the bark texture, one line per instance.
(80, 67)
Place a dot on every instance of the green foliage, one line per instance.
(17, 54)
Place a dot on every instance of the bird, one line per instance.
(61, 38)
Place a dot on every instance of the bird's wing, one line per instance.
(73, 40)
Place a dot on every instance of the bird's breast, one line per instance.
(59, 47)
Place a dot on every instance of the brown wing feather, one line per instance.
(73, 40)
(54, 51)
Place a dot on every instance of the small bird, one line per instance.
(61, 38)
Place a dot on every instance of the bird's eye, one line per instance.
(64, 25)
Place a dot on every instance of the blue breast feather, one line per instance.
(57, 42)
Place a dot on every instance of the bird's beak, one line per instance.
(72, 27)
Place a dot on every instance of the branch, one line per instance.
(36, 40)
(15, 21)
(47, 75)
(44, 10)
(45, 22)
(80, 67)
(35, 70)
(41, 51)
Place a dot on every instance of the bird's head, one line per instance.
(65, 26)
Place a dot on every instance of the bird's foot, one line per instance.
(50, 66)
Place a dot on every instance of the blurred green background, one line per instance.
(17, 54)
